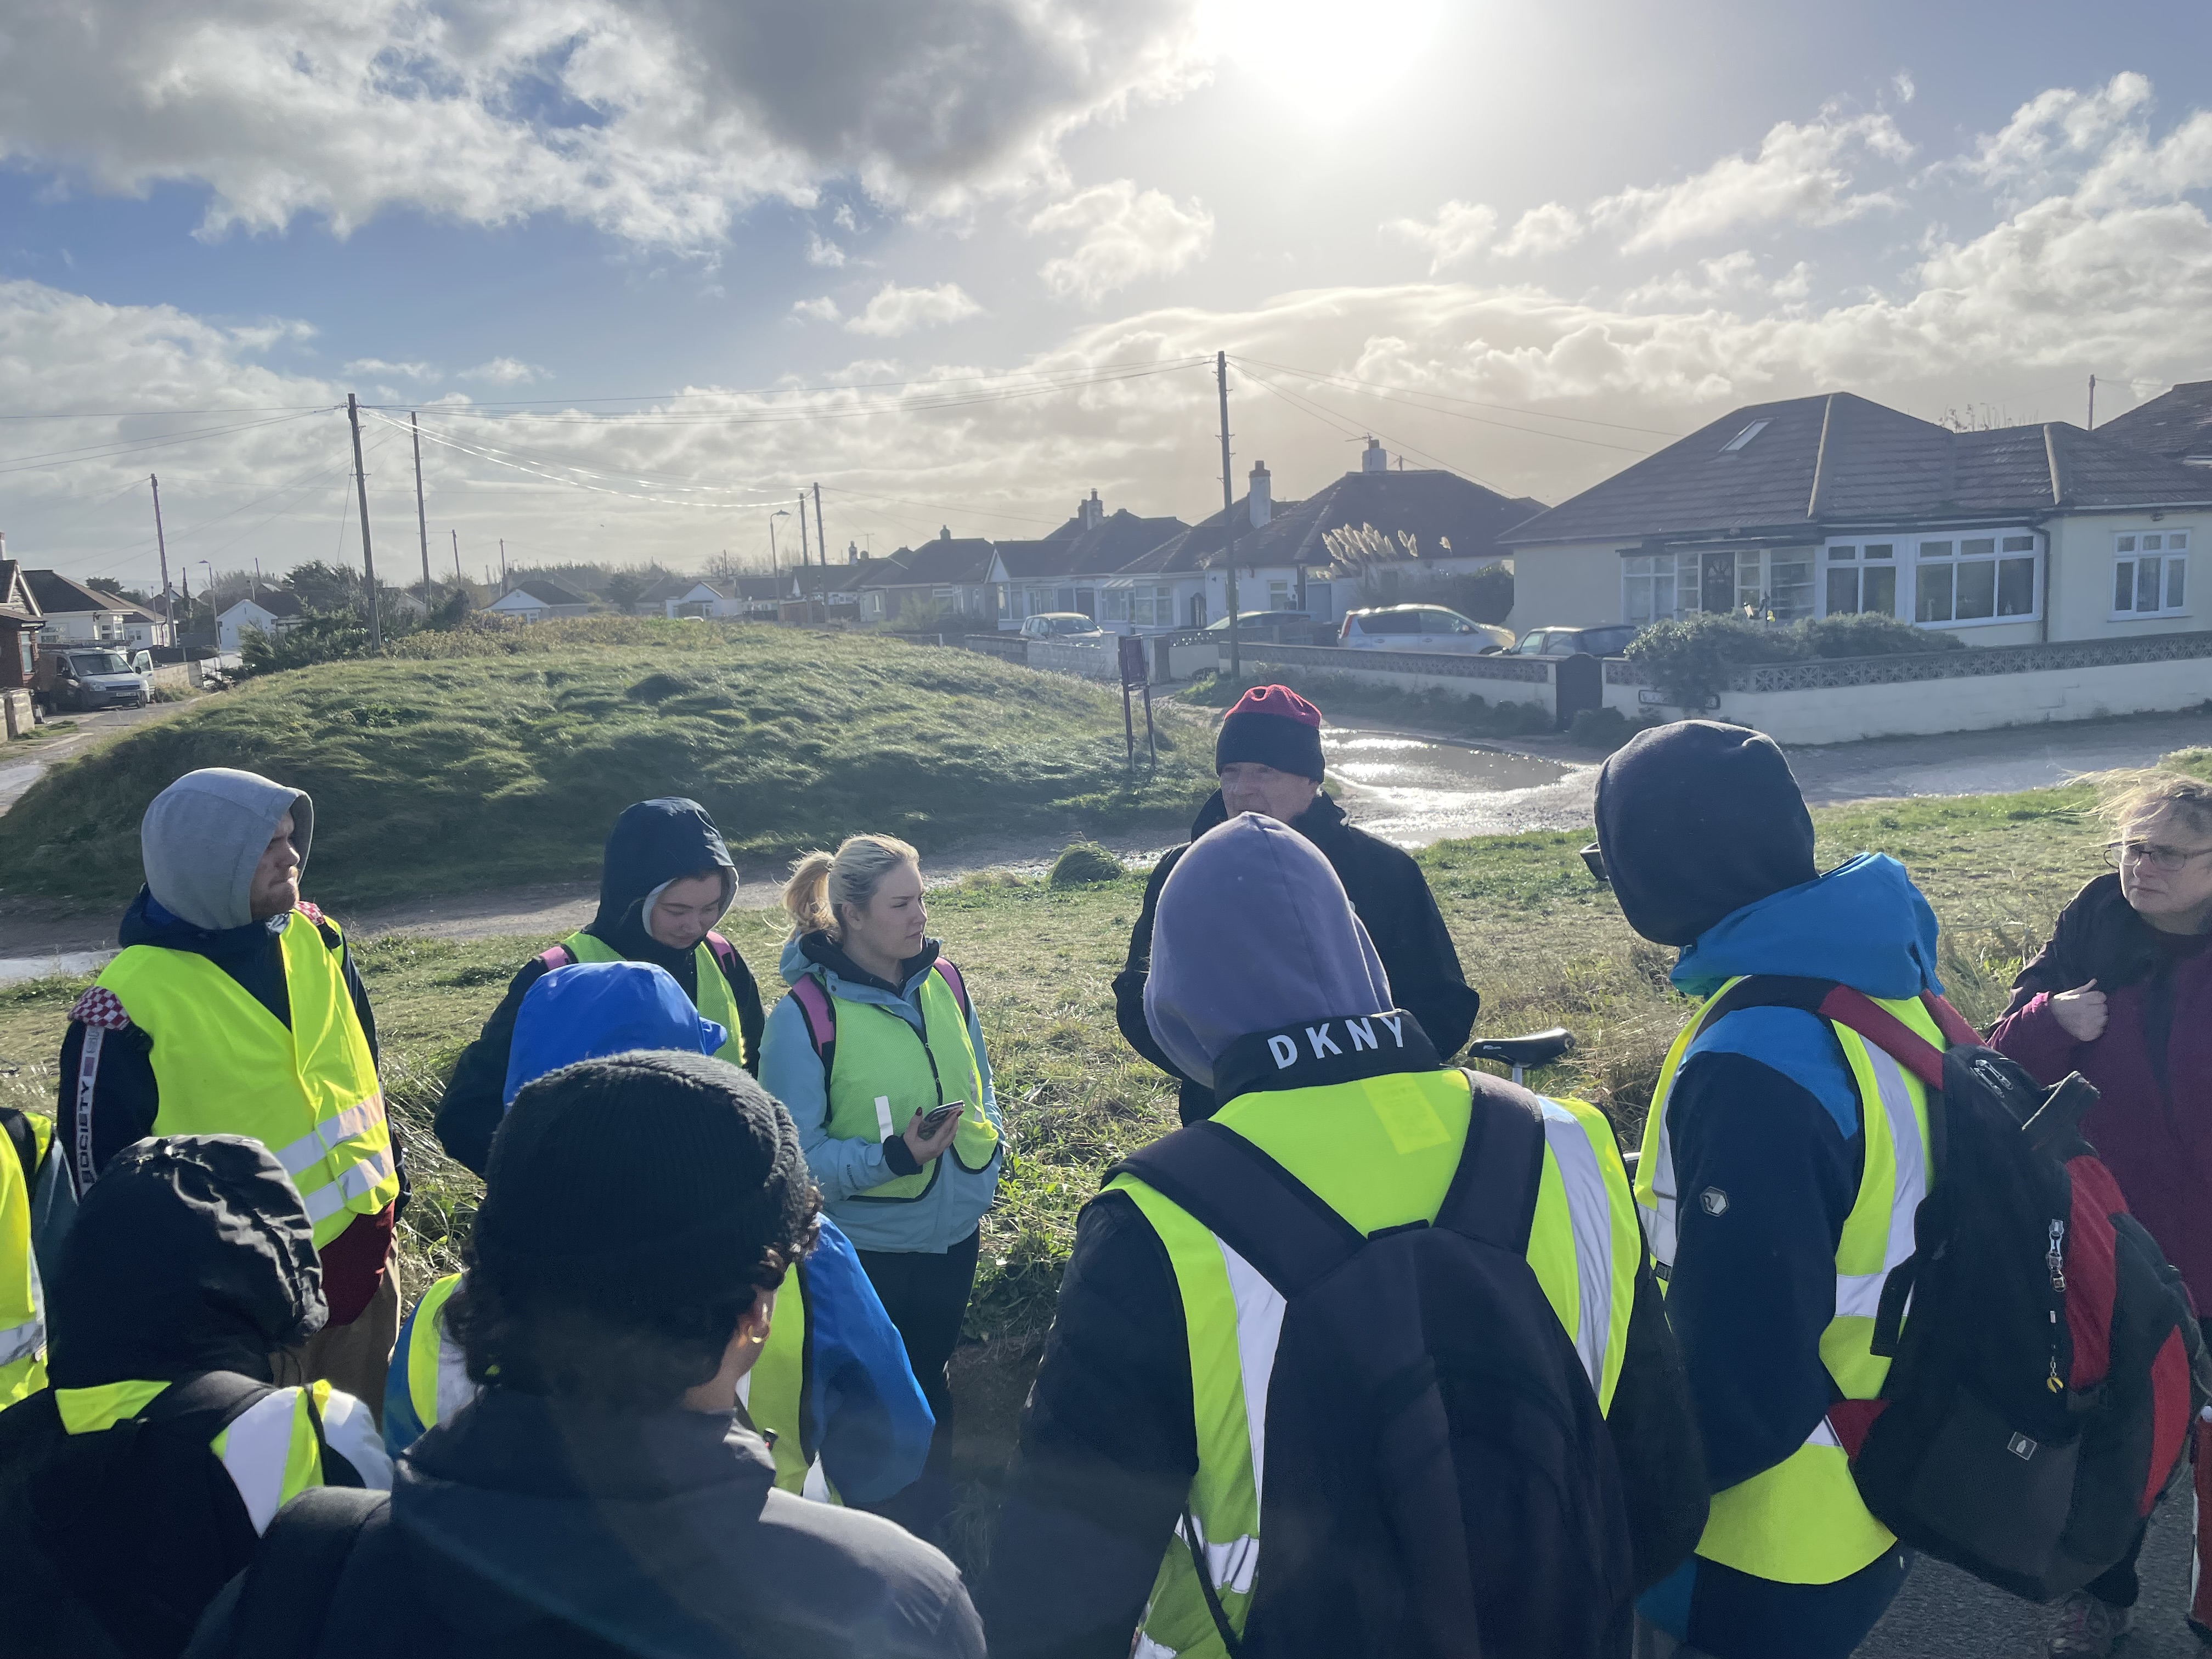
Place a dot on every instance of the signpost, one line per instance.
(1136, 676)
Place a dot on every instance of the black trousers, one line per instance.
(927, 1297)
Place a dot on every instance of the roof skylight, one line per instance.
(1743, 437)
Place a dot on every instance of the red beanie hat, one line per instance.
(1275, 726)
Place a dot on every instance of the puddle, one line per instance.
(1413, 790)
(14, 970)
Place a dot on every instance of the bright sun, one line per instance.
(1326, 57)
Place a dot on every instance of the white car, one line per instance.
(1059, 625)
(1420, 627)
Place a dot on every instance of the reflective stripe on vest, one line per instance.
(225, 1064)
(22, 1297)
(883, 1070)
(1382, 1152)
(272, 1450)
(713, 1000)
(1802, 1522)
(773, 1390)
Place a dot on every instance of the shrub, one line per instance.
(1867, 634)
(1084, 864)
(1605, 729)
(1690, 661)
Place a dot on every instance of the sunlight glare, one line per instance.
(1328, 57)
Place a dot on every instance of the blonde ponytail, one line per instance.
(821, 883)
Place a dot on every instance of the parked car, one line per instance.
(1420, 627)
(86, 678)
(1280, 627)
(1059, 625)
(1610, 641)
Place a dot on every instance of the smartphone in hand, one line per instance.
(938, 1119)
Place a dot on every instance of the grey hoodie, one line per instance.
(1253, 932)
(204, 834)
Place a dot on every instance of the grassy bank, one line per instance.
(1346, 700)
(501, 759)
(1542, 943)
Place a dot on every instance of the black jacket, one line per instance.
(653, 843)
(1392, 897)
(531, 1528)
(96, 1117)
(140, 1524)
(1108, 1449)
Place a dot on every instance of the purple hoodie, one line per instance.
(1253, 933)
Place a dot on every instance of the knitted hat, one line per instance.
(1275, 726)
(641, 1178)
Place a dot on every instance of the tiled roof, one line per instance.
(943, 561)
(2175, 425)
(1843, 459)
(56, 594)
(1434, 507)
(1106, 547)
(550, 593)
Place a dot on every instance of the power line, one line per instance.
(1407, 397)
(1324, 413)
(49, 460)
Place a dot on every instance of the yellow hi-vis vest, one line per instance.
(712, 1000)
(881, 1071)
(22, 1297)
(225, 1064)
(272, 1450)
(1381, 1153)
(773, 1392)
(1802, 1522)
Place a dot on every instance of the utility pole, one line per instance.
(2092, 403)
(168, 604)
(422, 523)
(1228, 515)
(456, 535)
(503, 586)
(822, 542)
(802, 555)
(367, 557)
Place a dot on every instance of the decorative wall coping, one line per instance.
(1526, 671)
(1975, 662)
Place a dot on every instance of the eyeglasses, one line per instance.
(2166, 858)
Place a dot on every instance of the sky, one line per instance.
(643, 272)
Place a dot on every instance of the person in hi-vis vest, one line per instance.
(877, 1035)
(1784, 1159)
(665, 880)
(235, 1008)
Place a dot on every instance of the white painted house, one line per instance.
(537, 600)
(76, 614)
(684, 595)
(270, 610)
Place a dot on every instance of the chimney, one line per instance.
(1263, 497)
(1090, 513)
(1374, 458)
(945, 532)
(852, 552)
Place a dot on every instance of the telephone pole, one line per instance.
(502, 565)
(422, 523)
(802, 555)
(1228, 515)
(2093, 404)
(367, 557)
(822, 542)
(456, 535)
(169, 604)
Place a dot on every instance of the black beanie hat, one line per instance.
(1275, 726)
(1696, 820)
(647, 1178)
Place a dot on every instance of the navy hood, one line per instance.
(1696, 820)
(1864, 924)
(590, 1010)
(1253, 931)
(652, 844)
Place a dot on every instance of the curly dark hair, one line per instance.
(636, 1207)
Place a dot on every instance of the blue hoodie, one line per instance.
(791, 1070)
(1764, 1110)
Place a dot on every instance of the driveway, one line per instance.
(24, 761)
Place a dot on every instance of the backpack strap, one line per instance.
(219, 1397)
(25, 1139)
(724, 952)
(959, 985)
(284, 1600)
(557, 955)
(819, 1009)
(1863, 1014)
(1492, 1195)
(1249, 1201)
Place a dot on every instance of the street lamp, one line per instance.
(774, 568)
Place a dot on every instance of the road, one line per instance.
(1941, 1613)
(18, 776)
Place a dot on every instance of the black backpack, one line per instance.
(2039, 1397)
(1439, 1479)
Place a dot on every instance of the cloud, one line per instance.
(824, 310)
(405, 370)
(653, 120)
(1460, 231)
(896, 310)
(1731, 278)
(1543, 230)
(1901, 83)
(1124, 235)
(822, 252)
(1802, 175)
(505, 371)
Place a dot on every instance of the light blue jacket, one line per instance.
(792, 1072)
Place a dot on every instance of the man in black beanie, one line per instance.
(605, 1491)
(1268, 758)
(1761, 1144)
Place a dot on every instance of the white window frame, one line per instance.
(2003, 547)
(2128, 549)
(1852, 556)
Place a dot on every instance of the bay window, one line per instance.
(2150, 574)
(1973, 579)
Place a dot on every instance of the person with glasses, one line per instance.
(2122, 994)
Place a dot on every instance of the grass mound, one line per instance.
(1085, 863)
(497, 758)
